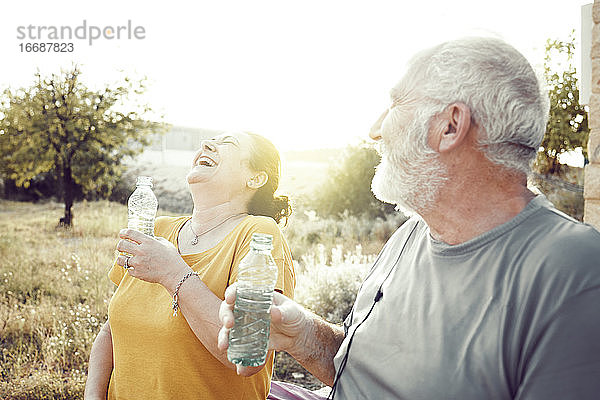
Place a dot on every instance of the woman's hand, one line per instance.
(153, 259)
(290, 324)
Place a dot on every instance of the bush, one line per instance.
(347, 188)
(330, 290)
(308, 234)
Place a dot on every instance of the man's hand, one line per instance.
(290, 324)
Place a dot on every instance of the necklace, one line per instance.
(197, 235)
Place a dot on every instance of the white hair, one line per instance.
(499, 86)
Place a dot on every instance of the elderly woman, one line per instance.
(144, 351)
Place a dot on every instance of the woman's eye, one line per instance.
(221, 142)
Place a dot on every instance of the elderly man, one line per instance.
(488, 292)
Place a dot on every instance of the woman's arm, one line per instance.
(100, 365)
(157, 260)
(200, 307)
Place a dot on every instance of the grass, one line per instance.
(54, 289)
(53, 295)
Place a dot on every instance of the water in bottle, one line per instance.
(249, 337)
(142, 206)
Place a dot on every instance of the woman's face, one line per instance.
(222, 162)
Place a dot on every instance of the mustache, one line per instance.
(380, 147)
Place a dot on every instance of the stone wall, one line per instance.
(592, 170)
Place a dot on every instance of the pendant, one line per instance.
(194, 241)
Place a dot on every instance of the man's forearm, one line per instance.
(318, 347)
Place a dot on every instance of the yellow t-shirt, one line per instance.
(157, 356)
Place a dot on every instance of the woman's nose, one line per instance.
(208, 145)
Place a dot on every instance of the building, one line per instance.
(176, 146)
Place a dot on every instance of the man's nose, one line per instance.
(375, 132)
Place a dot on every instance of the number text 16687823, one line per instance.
(46, 47)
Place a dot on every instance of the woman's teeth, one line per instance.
(206, 162)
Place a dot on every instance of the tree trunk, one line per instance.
(68, 195)
(554, 166)
(10, 189)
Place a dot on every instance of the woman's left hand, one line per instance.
(153, 259)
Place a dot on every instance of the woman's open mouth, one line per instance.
(205, 161)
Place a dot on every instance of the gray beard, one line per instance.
(409, 176)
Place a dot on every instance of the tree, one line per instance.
(80, 135)
(348, 185)
(567, 127)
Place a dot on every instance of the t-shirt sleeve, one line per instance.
(286, 279)
(565, 362)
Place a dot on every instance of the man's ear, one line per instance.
(258, 180)
(450, 128)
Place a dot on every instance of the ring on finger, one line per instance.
(126, 264)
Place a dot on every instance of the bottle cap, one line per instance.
(262, 241)
(144, 181)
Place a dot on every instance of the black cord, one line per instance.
(376, 299)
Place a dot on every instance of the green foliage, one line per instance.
(347, 187)
(78, 135)
(567, 127)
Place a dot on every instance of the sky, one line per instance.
(306, 74)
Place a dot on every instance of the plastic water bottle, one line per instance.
(142, 206)
(249, 337)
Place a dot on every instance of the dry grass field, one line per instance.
(53, 295)
(54, 289)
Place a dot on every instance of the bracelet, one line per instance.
(175, 295)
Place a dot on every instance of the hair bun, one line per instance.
(282, 207)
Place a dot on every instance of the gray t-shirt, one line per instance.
(511, 314)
